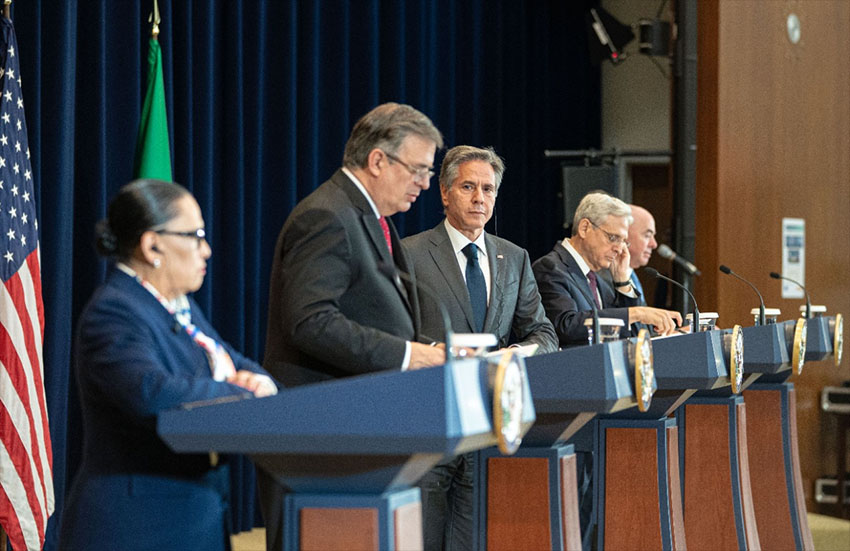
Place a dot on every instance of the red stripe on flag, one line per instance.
(16, 289)
(20, 460)
(37, 433)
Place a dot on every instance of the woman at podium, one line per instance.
(143, 346)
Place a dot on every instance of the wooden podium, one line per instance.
(716, 489)
(529, 500)
(778, 495)
(638, 482)
(350, 449)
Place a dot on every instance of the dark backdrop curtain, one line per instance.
(261, 98)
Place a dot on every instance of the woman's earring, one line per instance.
(156, 263)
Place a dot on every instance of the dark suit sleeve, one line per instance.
(318, 267)
(530, 324)
(563, 301)
(121, 361)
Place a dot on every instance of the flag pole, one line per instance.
(154, 18)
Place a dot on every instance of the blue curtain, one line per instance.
(261, 98)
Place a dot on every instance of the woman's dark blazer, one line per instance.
(131, 492)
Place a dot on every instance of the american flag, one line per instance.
(26, 481)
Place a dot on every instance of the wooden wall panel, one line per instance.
(773, 142)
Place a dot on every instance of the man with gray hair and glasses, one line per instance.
(335, 309)
(567, 277)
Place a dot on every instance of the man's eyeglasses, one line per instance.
(612, 238)
(419, 174)
(198, 234)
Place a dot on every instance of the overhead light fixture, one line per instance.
(608, 37)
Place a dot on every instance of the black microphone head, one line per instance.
(774, 275)
(664, 251)
(651, 271)
(725, 269)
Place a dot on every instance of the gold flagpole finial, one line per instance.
(7, 9)
(154, 18)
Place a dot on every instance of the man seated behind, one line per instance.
(567, 276)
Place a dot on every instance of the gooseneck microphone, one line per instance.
(666, 252)
(654, 272)
(774, 275)
(726, 270)
(597, 337)
(393, 274)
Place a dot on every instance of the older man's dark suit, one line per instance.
(334, 308)
(514, 305)
(565, 294)
(566, 297)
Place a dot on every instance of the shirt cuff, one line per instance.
(405, 363)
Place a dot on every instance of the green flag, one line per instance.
(153, 154)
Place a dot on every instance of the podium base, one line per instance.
(334, 522)
(778, 498)
(528, 500)
(717, 493)
(637, 485)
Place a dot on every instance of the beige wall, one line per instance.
(635, 93)
(774, 141)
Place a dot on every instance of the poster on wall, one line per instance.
(793, 256)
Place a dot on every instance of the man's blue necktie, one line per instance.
(638, 287)
(476, 285)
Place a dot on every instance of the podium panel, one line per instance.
(638, 485)
(717, 494)
(531, 500)
(780, 505)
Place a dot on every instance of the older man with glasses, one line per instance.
(567, 276)
(568, 282)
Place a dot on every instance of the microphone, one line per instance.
(597, 337)
(394, 274)
(654, 272)
(666, 252)
(774, 275)
(727, 270)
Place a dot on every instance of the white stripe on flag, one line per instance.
(9, 319)
(42, 422)
(9, 479)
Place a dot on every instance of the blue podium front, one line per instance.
(529, 500)
(350, 449)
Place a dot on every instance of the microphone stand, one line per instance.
(775, 275)
(654, 272)
(726, 270)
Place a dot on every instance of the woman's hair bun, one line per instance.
(105, 240)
